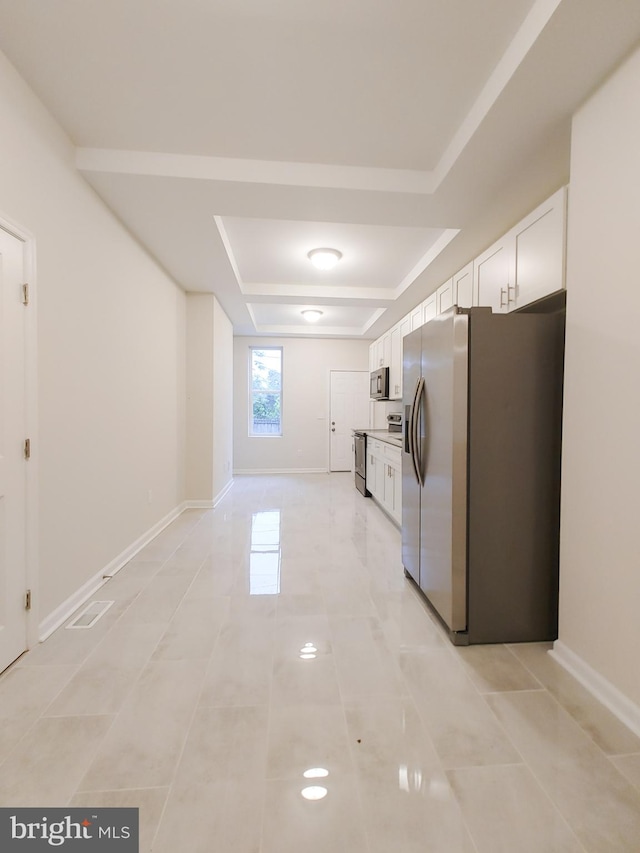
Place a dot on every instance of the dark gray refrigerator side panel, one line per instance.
(515, 412)
(443, 437)
(412, 348)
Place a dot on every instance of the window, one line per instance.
(265, 391)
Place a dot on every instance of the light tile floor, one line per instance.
(250, 645)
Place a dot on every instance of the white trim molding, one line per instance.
(224, 491)
(210, 504)
(603, 690)
(31, 419)
(241, 471)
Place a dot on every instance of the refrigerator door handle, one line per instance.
(415, 418)
(409, 431)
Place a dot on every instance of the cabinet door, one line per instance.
(395, 368)
(493, 276)
(380, 466)
(371, 473)
(383, 350)
(416, 317)
(540, 251)
(397, 494)
(463, 287)
(379, 353)
(392, 491)
(389, 492)
(444, 296)
(373, 357)
(429, 308)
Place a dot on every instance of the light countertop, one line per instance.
(394, 438)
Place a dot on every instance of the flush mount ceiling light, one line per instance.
(311, 315)
(324, 259)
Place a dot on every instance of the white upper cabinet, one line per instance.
(444, 296)
(528, 262)
(539, 247)
(416, 317)
(430, 308)
(463, 287)
(383, 350)
(493, 276)
(373, 356)
(395, 367)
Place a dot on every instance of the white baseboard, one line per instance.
(60, 615)
(615, 700)
(222, 492)
(209, 504)
(280, 471)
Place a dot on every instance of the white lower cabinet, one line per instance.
(375, 469)
(384, 476)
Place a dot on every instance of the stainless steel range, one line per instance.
(360, 462)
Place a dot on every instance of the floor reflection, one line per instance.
(264, 559)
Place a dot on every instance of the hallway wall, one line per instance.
(111, 358)
(209, 386)
(599, 576)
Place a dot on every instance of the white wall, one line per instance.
(209, 398)
(307, 362)
(222, 401)
(199, 386)
(111, 357)
(600, 563)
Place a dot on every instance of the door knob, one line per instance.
(333, 429)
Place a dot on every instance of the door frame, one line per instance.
(31, 422)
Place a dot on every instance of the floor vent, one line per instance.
(91, 614)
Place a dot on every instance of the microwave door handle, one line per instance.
(417, 461)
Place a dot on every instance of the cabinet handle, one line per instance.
(506, 292)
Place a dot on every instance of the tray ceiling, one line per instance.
(232, 137)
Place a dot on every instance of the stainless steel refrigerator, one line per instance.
(481, 470)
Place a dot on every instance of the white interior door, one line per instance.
(13, 475)
(349, 410)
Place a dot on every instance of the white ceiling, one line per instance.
(232, 136)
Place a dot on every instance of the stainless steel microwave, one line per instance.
(379, 385)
